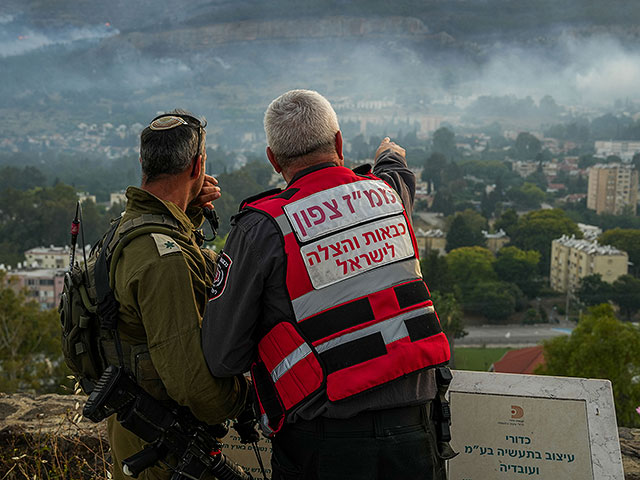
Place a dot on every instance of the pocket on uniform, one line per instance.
(146, 374)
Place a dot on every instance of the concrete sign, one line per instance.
(514, 426)
(245, 455)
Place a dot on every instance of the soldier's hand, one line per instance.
(387, 144)
(208, 193)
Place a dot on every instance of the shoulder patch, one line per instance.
(222, 274)
(165, 244)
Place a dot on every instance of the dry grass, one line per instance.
(69, 452)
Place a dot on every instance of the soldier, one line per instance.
(319, 291)
(162, 280)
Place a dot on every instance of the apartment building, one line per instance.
(612, 187)
(625, 149)
(589, 232)
(43, 285)
(47, 257)
(573, 259)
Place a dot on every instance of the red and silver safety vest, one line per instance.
(362, 311)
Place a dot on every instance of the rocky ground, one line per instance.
(44, 436)
(630, 448)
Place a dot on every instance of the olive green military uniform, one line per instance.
(161, 283)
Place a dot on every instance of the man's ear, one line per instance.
(273, 160)
(339, 145)
(197, 167)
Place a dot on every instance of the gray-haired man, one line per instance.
(319, 293)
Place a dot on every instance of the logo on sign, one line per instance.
(516, 411)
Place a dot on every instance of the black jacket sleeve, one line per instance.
(392, 168)
(250, 300)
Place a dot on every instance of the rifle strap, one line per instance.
(107, 305)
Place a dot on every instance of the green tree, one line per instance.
(40, 216)
(435, 271)
(443, 203)
(471, 264)
(538, 178)
(507, 221)
(451, 319)
(238, 185)
(587, 161)
(496, 300)
(625, 292)
(536, 230)
(601, 346)
(466, 229)
(520, 267)
(444, 142)
(452, 175)
(432, 171)
(30, 352)
(490, 202)
(526, 196)
(527, 146)
(593, 290)
(21, 178)
(496, 304)
(470, 267)
(625, 239)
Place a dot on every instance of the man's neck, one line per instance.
(169, 189)
(309, 161)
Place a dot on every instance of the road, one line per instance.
(516, 336)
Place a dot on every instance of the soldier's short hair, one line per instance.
(170, 150)
(298, 123)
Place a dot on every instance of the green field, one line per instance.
(477, 359)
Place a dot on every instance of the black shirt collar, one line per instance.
(309, 170)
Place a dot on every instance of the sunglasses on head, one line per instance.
(167, 121)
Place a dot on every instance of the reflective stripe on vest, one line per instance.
(361, 307)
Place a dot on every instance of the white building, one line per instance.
(590, 232)
(625, 149)
(83, 196)
(572, 259)
(47, 257)
(117, 197)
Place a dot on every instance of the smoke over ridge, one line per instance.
(17, 38)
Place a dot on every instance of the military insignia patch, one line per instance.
(165, 244)
(222, 273)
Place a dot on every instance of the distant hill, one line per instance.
(456, 17)
(66, 62)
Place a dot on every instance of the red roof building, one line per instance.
(524, 360)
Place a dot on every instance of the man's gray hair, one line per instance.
(298, 123)
(169, 152)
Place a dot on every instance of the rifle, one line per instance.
(167, 430)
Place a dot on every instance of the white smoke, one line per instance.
(20, 40)
(593, 71)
